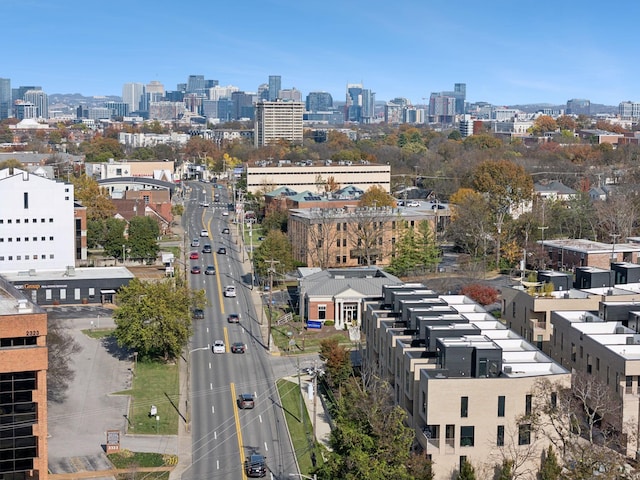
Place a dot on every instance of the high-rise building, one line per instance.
(195, 84)
(154, 86)
(460, 94)
(5, 98)
(23, 385)
(118, 109)
(18, 93)
(359, 104)
(319, 102)
(243, 105)
(40, 100)
(578, 106)
(278, 120)
(25, 110)
(132, 95)
(291, 94)
(211, 83)
(442, 107)
(275, 84)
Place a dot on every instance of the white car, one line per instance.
(204, 233)
(413, 204)
(225, 213)
(218, 347)
(195, 242)
(230, 291)
(204, 204)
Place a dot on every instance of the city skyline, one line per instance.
(508, 54)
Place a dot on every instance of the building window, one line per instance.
(467, 436)
(47, 294)
(25, 199)
(464, 406)
(51, 220)
(76, 294)
(51, 238)
(344, 259)
(500, 436)
(573, 352)
(42, 220)
(344, 242)
(527, 405)
(501, 406)
(554, 399)
(17, 220)
(322, 312)
(337, 258)
(597, 364)
(338, 227)
(524, 434)
(63, 294)
(43, 238)
(26, 220)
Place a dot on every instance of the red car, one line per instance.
(195, 269)
(194, 256)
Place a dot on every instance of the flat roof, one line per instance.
(13, 302)
(84, 273)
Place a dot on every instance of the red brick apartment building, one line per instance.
(23, 387)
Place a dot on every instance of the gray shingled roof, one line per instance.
(367, 281)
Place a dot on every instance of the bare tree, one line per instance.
(583, 424)
(323, 235)
(367, 228)
(62, 346)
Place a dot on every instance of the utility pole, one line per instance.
(272, 270)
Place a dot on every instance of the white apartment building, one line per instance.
(310, 176)
(464, 379)
(36, 223)
(278, 120)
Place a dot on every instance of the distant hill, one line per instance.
(595, 108)
(75, 99)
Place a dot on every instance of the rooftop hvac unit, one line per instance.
(22, 304)
(508, 369)
(630, 341)
(620, 329)
(71, 271)
(32, 272)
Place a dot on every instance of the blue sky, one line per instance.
(506, 52)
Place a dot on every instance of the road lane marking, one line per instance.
(266, 448)
(236, 417)
(213, 409)
(211, 386)
(215, 435)
(260, 418)
(226, 340)
(209, 365)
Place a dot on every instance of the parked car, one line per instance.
(198, 313)
(255, 466)
(206, 248)
(222, 251)
(246, 401)
(195, 242)
(204, 233)
(413, 204)
(195, 269)
(238, 347)
(218, 347)
(210, 270)
(230, 291)
(233, 318)
(194, 256)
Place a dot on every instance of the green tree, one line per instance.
(143, 153)
(143, 238)
(505, 471)
(276, 246)
(91, 195)
(415, 250)
(376, 196)
(467, 472)
(154, 318)
(482, 141)
(550, 469)
(101, 149)
(276, 220)
(6, 135)
(96, 233)
(114, 239)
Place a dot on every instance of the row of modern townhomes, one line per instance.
(464, 379)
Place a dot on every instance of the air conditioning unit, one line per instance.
(508, 369)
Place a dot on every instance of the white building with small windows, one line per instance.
(36, 223)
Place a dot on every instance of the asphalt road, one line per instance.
(223, 435)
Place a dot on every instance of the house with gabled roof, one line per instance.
(338, 294)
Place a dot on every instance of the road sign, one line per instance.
(314, 324)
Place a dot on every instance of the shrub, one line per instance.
(483, 294)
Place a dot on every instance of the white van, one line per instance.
(230, 291)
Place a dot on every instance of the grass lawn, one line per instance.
(98, 333)
(301, 431)
(154, 383)
(310, 339)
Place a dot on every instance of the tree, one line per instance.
(366, 234)
(276, 246)
(114, 240)
(582, 422)
(467, 472)
(505, 471)
(377, 197)
(154, 318)
(276, 220)
(506, 185)
(91, 195)
(370, 439)
(101, 149)
(416, 249)
(323, 234)
(550, 469)
(143, 238)
(11, 163)
(565, 122)
(543, 124)
(61, 347)
(337, 362)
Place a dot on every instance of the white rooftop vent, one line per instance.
(32, 272)
(22, 304)
(71, 271)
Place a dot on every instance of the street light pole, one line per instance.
(187, 406)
